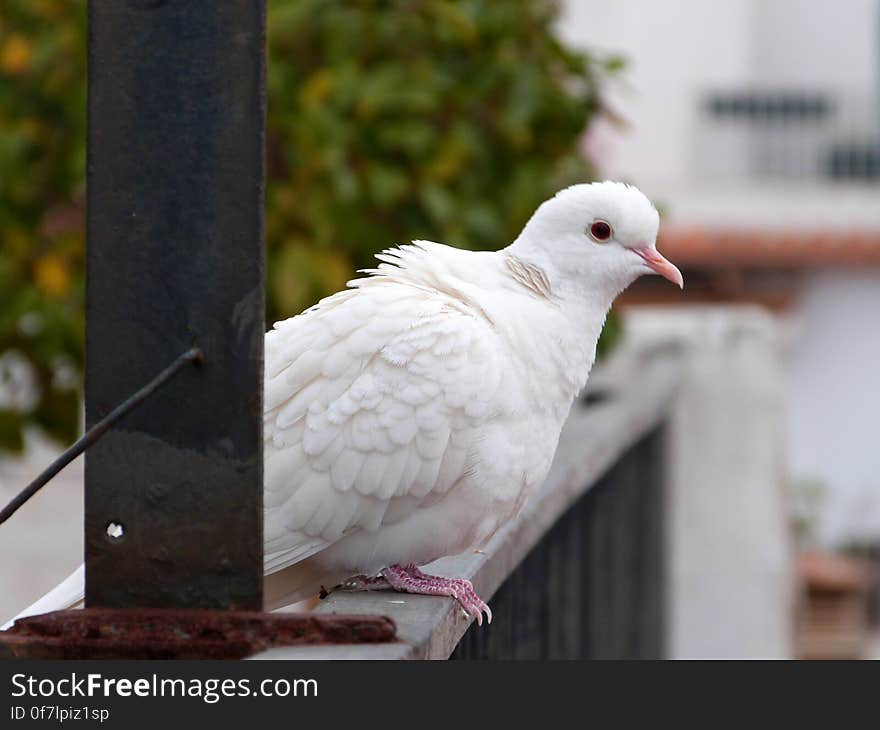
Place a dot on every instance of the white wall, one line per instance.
(680, 48)
(673, 53)
(834, 397)
(821, 43)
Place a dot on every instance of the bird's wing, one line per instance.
(372, 400)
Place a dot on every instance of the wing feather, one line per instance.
(370, 395)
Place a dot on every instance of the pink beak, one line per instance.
(661, 265)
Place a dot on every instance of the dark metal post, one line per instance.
(175, 260)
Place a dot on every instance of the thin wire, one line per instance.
(91, 436)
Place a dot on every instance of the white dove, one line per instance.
(410, 416)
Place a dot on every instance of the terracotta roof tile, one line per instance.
(833, 572)
(702, 246)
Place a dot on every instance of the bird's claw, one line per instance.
(473, 606)
(409, 579)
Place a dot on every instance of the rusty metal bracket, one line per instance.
(101, 633)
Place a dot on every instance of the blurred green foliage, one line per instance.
(42, 181)
(388, 120)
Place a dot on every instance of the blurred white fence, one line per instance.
(731, 543)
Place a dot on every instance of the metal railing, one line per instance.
(788, 134)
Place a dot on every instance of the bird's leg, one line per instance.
(409, 579)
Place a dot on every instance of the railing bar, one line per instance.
(99, 429)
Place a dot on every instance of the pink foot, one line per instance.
(409, 579)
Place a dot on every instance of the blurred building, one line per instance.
(755, 126)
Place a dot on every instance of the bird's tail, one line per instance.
(67, 594)
(288, 588)
(283, 589)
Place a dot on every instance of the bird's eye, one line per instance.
(600, 231)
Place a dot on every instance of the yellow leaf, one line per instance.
(449, 160)
(52, 275)
(15, 55)
(18, 242)
(317, 87)
(302, 274)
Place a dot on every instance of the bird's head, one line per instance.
(599, 237)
